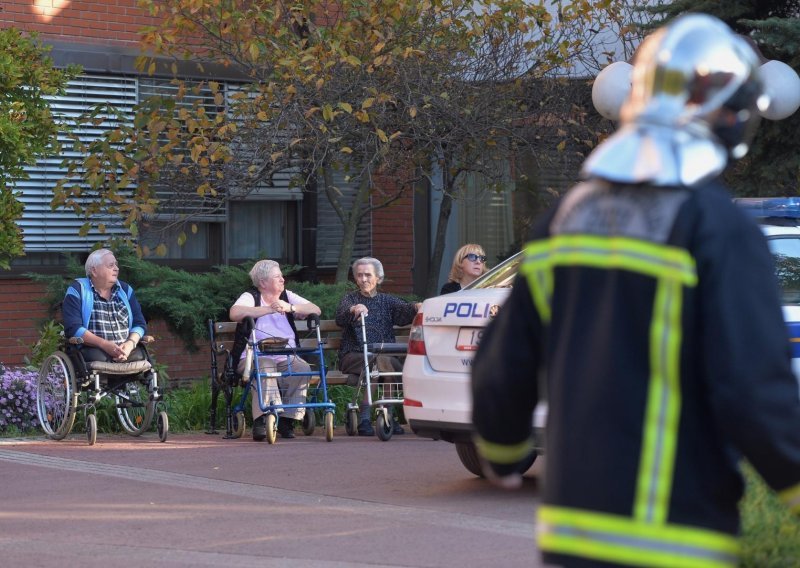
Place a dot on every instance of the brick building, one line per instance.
(102, 36)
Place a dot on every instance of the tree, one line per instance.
(28, 130)
(772, 167)
(398, 89)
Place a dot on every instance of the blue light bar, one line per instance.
(787, 207)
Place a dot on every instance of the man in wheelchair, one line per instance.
(103, 311)
(103, 325)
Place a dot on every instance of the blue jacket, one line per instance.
(79, 301)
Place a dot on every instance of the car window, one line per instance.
(786, 251)
(501, 276)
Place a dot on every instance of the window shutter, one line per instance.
(45, 230)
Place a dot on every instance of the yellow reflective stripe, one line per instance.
(612, 538)
(540, 285)
(502, 453)
(660, 429)
(653, 259)
(791, 497)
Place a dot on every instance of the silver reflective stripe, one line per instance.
(615, 546)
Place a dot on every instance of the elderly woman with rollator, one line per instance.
(385, 311)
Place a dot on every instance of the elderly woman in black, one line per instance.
(385, 311)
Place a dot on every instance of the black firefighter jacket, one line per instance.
(653, 315)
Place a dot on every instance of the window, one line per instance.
(263, 229)
(45, 230)
(265, 223)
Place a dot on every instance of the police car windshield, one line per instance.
(786, 251)
(501, 276)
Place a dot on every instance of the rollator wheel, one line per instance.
(91, 429)
(56, 396)
(351, 422)
(329, 426)
(309, 422)
(272, 428)
(135, 410)
(383, 427)
(163, 426)
(239, 424)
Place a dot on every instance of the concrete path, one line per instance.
(200, 500)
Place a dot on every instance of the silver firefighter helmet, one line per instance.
(694, 104)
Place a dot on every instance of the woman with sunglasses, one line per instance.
(468, 263)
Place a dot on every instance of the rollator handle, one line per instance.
(312, 321)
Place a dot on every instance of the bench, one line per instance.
(222, 333)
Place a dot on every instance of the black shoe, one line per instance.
(365, 428)
(259, 428)
(397, 430)
(286, 428)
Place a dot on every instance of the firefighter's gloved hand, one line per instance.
(506, 476)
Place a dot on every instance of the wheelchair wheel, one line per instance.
(272, 428)
(239, 424)
(383, 427)
(329, 426)
(351, 422)
(91, 429)
(135, 410)
(163, 426)
(57, 396)
(309, 422)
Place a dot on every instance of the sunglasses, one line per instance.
(474, 257)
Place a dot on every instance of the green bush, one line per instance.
(770, 534)
(186, 301)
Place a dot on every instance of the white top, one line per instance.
(272, 325)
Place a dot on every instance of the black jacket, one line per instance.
(656, 317)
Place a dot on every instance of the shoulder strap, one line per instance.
(290, 316)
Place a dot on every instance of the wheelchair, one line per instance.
(67, 382)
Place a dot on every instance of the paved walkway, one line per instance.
(201, 500)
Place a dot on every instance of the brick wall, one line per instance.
(111, 22)
(393, 243)
(21, 314)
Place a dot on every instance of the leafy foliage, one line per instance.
(386, 94)
(28, 130)
(770, 534)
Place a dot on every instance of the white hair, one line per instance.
(95, 259)
(371, 261)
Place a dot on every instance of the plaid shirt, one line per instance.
(109, 318)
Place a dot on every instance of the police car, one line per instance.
(442, 342)
(779, 218)
(447, 330)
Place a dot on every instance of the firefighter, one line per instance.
(647, 313)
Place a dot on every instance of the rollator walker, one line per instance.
(383, 388)
(316, 398)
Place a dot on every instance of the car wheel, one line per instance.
(468, 455)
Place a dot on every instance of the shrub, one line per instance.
(17, 400)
